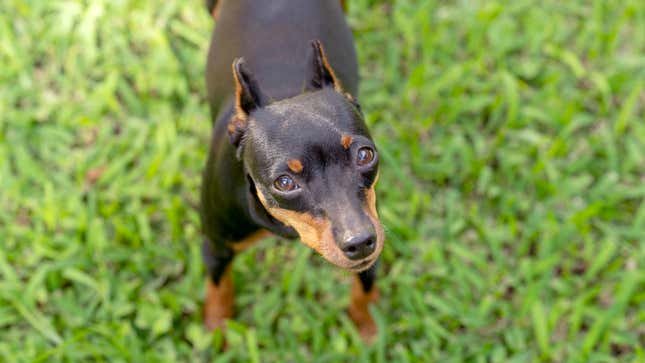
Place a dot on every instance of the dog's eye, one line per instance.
(365, 156)
(285, 183)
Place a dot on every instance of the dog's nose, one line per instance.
(359, 246)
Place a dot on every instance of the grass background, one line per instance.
(512, 138)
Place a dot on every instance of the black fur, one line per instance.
(289, 108)
(368, 277)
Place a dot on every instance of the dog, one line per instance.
(290, 153)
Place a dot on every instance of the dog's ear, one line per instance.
(248, 97)
(319, 72)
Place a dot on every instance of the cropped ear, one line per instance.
(319, 72)
(248, 97)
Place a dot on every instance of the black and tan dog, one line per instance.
(290, 153)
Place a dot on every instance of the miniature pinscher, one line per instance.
(290, 154)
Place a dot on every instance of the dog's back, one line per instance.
(274, 37)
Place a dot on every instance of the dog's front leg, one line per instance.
(363, 293)
(220, 294)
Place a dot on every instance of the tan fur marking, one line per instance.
(343, 4)
(315, 233)
(359, 309)
(346, 141)
(372, 213)
(373, 216)
(239, 112)
(218, 306)
(295, 165)
(337, 85)
(371, 202)
(250, 240)
(234, 124)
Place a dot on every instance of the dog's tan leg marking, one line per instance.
(219, 301)
(359, 310)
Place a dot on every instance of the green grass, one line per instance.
(512, 137)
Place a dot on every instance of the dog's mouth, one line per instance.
(363, 265)
(353, 266)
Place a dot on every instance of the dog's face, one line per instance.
(312, 165)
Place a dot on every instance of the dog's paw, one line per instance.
(364, 324)
(214, 321)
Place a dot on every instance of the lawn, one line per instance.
(512, 188)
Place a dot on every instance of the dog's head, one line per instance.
(311, 164)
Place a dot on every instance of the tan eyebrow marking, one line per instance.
(346, 140)
(295, 165)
